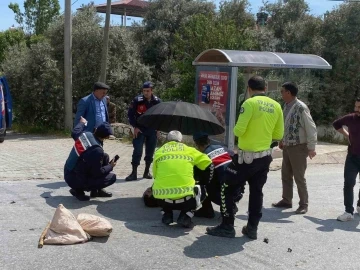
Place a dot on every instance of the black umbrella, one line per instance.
(185, 117)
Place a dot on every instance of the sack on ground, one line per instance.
(65, 229)
(94, 225)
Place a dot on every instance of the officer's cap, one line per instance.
(148, 85)
(199, 135)
(103, 130)
(100, 85)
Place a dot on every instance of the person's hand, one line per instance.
(311, 154)
(83, 120)
(112, 163)
(136, 132)
(281, 145)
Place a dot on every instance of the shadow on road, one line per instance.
(207, 246)
(54, 185)
(70, 202)
(272, 215)
(330, 225)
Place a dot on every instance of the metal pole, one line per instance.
(106, 43)
(232, 109)
(68, 66)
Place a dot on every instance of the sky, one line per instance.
(317, 7)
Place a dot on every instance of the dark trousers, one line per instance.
(184, 207)
(351, 170)
(71, 178)
(150, 139)
(86, 183)
(230, 195)
(256, 175)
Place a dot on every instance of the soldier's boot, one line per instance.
(167, 218)
(206, 211)
(250, 231)
(225, 229)
(133, 175)
(147, 174)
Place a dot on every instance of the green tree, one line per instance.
(37, 15)
(237, 11)
(341, 31)
(35, 73)
(10, 38)
(160, 24)
(196, 35)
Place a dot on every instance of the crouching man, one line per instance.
(220, 159)
(174, 183)
(88, 168)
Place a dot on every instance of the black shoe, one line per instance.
(100, 193)
(185, 221)
(167, 218)
(147, 175)
(80, 195)
(251, 233)
(131, 177)
(205, 214)
(222, 230)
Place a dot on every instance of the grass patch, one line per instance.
(42, 130)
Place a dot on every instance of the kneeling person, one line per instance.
(174, 183)
(221, 159)
(88, 168)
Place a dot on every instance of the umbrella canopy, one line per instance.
(185, 117)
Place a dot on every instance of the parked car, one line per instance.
(5, 108)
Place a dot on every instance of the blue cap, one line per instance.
(148, 85)
(199, 135)
(103, 130)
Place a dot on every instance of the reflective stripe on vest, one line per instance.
(172, 191)
(170, 156)
(84, 142)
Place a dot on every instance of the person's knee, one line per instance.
(113, 179)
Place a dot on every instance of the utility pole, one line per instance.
(106, 43)
(68, 66)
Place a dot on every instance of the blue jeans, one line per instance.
(351, 170)
(150, 139)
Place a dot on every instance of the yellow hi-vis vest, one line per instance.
(260, 121)
(173, 170)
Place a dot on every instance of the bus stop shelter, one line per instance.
(217, 76)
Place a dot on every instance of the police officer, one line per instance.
(88, 168)
(141, 134)
(174, 183)
(220, 159)
(260, 121)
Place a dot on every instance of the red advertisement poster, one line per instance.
(212, 93)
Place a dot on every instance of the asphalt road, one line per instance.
(31, 187)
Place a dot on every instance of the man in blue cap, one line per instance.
(221, 159)
(141, 134)
(88, 168)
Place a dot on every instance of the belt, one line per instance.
(248, 157)
(179, 200)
